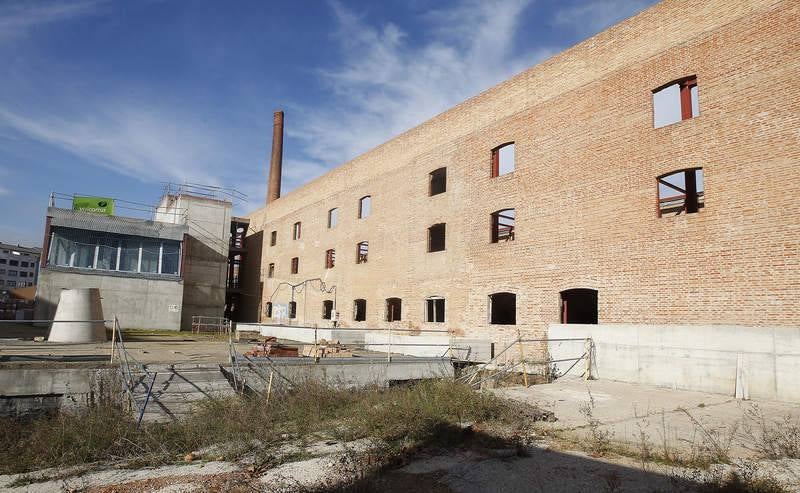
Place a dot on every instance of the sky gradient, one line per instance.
(114, 98)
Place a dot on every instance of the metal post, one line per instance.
(269, 387)
(389, 354)
(522, 359)
(587, 375)
(113, 338)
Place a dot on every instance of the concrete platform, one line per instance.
(627, 410)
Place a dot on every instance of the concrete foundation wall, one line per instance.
(378, 340)
(24, 391)
(139, 303)
(690, 357)
(305, 334)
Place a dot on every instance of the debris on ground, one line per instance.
(271, 347)
(327, 349)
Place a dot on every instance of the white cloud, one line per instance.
(18, 17)
(593, 16)
(131, 139)
(384, 85)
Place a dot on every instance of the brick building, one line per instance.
(652, 179)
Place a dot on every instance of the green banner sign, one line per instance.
(97, 205)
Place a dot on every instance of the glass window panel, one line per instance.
(129, 255)
(171, 258)
(61, 251)
(150, 252)
(107, 254)
(84, 255)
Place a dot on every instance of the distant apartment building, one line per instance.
(19, 266)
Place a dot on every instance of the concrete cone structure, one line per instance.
(75, 305)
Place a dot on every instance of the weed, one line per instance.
(777, 439)
(600, 442)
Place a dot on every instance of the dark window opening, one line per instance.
(579, 306)
(438, 181)
(330, 258)
(292, 309)
(296, 231)
(503, 159)
(271, 270)
(333, 218)
(364, 207)
(503, 225)
(359, 310)
(327, 309)
(503, 308)
(362, 251)
(436, 237)
(676, 101)
(434, 309)
(273, 238)
(268, 309)
(295, 265)
(681, 191)
(394, 309)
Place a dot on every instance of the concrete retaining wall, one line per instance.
(305, 334)
(690, 357)
(28, 390)
(377, 340)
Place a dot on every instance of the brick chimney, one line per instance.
(276, 163)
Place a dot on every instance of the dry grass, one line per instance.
(398, 418)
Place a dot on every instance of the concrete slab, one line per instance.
(627, 410)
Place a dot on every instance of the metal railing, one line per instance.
(126, 208)
(203, 324)
(493, 370)
(131, 381)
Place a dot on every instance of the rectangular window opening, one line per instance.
(327, 309)
(359, 310)
(681, 192)
(330, 258)
(503, 308)
(436, 238)
(273, 238)
(295, 265)
(362, 252)
(333, 218)
(394, 309)
(364, 207)
(434, 309)
(271, 270)
(503, 159)
(296, 231)
(675, 102)
(504, 225)
(438, 181)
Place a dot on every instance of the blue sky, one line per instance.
(115, 97)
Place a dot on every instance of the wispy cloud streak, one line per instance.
(385, 85)
(17, 17)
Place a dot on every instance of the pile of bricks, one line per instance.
(327, 349)
(271, 347)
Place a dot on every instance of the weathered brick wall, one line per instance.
(584, 187)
